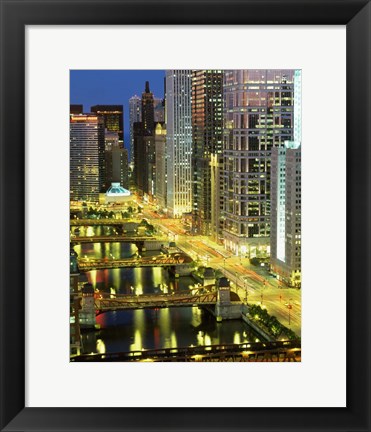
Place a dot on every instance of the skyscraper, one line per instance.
(144, 146)
(258, 117)
(286, 201)
(148, 114)
(140, 164)
(135, 116)
(179, 141)
(207, 129)
(87, 163)
(160, 165)
(217, 217)
(120, 166)
(116, 160)
(286, 213)
(113, 119)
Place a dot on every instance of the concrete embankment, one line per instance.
(249, 322)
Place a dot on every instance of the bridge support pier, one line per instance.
(224, 309)
(140, 246)
(181, 270)
(87, 315)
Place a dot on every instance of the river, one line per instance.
(151, 328)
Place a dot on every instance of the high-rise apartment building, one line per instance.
(87, 160)
(207, 129)
(259, 116)
(135, 116)
(113, 116)
(179, 141)
(286, 201)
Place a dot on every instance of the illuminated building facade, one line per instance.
(217, 217)
(111, 141)
(286, 213)
(140, 165)
(207, 129)
(160, 165)
(122, 166)
(286, 201)
(179, 141)
(135, 116)
(116, 160)
(144, 146)
(113, 116)
(87, 160)
(150, 149)
(258, 117)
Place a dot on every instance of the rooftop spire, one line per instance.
(147, 87)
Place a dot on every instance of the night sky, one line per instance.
(113, 87)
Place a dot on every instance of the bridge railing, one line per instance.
(158, 300)
(85, 264)
(103, 221)
(247, 349)
(116, 238)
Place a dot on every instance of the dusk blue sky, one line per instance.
(113, 87)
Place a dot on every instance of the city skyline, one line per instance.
(113, 87)
(203, 224)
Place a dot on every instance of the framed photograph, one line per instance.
(289, 84)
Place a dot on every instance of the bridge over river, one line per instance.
(199, 297)
(104, 221)
(87, 264)
(117, 238)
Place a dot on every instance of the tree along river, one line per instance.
(151, 328)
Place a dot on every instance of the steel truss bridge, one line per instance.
(93, 222)
(126, 302)
(158, 261)
(117, 238)
(279, 351)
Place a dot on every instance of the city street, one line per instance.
(252, 283)
(246, 279)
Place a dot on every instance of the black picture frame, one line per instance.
(15, 15)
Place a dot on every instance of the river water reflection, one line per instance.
(163, 328)
(151, 328)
